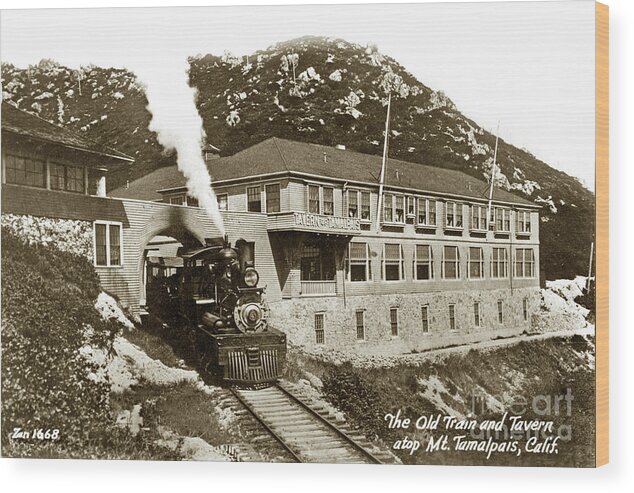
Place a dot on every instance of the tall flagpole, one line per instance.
(379, 209)
(492, 178)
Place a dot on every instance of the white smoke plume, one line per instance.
(175, 119)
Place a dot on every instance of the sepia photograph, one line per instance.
(301, 233)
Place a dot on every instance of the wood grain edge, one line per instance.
(602, 451)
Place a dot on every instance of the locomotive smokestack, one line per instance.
(226, 242)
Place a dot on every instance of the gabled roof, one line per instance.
(281, 156)
(32, 126)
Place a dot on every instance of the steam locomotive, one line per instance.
(213, 292)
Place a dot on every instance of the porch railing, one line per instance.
(318, 288)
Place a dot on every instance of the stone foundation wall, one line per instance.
(68, 235)
(297, 318)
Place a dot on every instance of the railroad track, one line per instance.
(307, 432)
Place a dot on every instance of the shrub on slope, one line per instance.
(48, 315)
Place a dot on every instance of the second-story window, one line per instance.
(523, 222)
(411, 206)
(358, 204)
(388, 208)
(501, 219)
(394, 208)
(254, 199)
(399, 215)
(329, 202)
(453, 215)
(478, 217)
(365, 206)
(68, 178)
(426, 212)
(273, 198)
(223, 201)
(177, 200)
(353, 203)
(313, 199)
(25, 171)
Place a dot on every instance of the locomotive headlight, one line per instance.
(251, 277)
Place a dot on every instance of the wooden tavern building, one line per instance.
(433, 273)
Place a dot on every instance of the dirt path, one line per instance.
(387, 361)
(508, 341)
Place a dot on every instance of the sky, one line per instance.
(527, 65)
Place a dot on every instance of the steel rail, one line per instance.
(357, 446)
(279, 439)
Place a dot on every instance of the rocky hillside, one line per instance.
(317, 90)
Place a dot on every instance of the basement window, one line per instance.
(476, 314)
(394, 321)
(319, 328)
(360, 323)
(452, 317)
(424, 318)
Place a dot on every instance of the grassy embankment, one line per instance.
(48, 316)
(478, 383)
(48, 319)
